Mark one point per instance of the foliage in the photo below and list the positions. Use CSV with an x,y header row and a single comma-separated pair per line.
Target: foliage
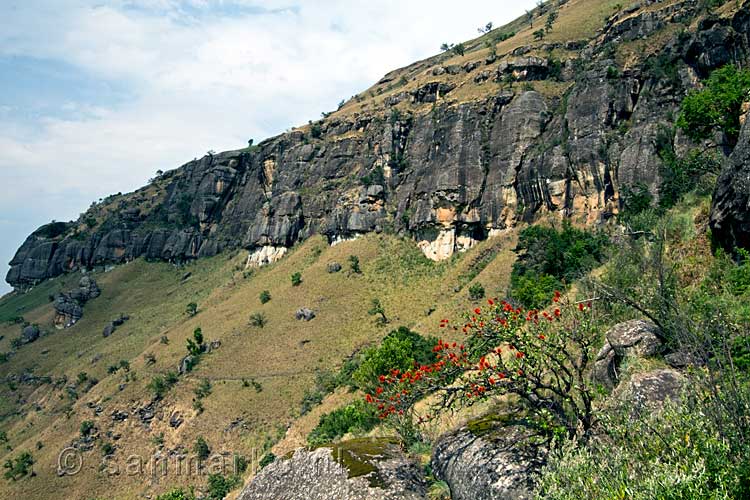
x,y
377,309
160,384
401,349
634,200
265,297
296,279
19,466
178,494
195,346
204,389
476,291
717,106
458,49
355,417
354,264
541,358
201,448
677,453
258,320
549,259
86,427
267,459
539,34
219,486
191,309
108,449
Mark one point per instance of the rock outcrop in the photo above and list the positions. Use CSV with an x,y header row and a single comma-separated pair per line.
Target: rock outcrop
x,y
489,459
69,305
636,338
445,171
355,470
730,213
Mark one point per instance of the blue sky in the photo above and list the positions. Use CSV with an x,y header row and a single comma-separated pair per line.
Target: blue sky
x,y
95,96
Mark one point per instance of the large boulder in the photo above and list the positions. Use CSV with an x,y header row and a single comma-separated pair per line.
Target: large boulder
x,y
730,211
304,314
360,469
29,334
69,305
636,338
648,391
490,458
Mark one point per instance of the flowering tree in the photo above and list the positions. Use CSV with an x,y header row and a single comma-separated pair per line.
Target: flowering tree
x,y
541,357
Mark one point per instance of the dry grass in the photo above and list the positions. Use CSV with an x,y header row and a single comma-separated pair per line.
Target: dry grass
x,y
282,356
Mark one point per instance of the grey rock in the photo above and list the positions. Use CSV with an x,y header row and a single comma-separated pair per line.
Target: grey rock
x,y
683,359
304,314
334,267
637,338
175,420
649,391
320,475
108,330
497,463
186,364
29,334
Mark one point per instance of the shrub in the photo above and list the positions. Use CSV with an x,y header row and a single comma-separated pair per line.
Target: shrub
x,y
204,389
509,352
195,345
201,448
296,279
219,486
459,49
191,309
546,252
240,464
87,426
160,385
267,459
354,264
634,200
476,291
265,297
355,417
717,106
377,309
400,349
108,449
178,494
258,320
18,467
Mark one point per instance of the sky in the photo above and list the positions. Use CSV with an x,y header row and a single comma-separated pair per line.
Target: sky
x,y
96,95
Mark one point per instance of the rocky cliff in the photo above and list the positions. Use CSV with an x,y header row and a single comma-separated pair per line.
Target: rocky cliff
x,y
450,150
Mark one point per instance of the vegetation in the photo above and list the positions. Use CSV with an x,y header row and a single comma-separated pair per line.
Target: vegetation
x,y
296,279
356,417
354,264
476,291
265,297
178,494
219,486
201,448
18,467
377,309
550,259
191,309
258,320
717,106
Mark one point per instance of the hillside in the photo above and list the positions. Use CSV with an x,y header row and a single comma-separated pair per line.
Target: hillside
x,y
428,178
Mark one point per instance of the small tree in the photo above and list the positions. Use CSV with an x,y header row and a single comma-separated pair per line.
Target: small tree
x,y
445,47
354,264
476,291
539,34
204,389
195,345
485,29
551,18
201,448
265,297
377,309
191,309
258,320
296,279
19,467
459,49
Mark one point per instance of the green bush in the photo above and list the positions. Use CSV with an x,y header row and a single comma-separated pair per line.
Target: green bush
x,y
296,279
717,106
16,468
550,258
160,384
354,264
178,494
355,417
265,297
191,309
219,486
86,427
267,459
400,349
201,448
258,320
204,389
476,291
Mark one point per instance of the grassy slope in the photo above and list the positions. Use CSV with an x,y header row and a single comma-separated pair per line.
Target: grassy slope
x,y
155,298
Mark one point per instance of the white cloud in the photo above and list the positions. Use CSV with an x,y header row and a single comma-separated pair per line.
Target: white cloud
x,y
203,75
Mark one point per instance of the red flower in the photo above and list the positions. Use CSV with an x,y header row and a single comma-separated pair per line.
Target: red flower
x,y
381,378
580,307
491,381
557,312
477,311
541,337
379,390
491,302
519,355
369,398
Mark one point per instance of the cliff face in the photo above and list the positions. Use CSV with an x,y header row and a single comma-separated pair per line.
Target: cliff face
x,y
454,155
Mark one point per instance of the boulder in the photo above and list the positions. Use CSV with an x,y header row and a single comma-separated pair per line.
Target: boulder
x,y
637,338
186,364
647,391
29,334
489,459
304,314
108,330
361,469
334,267
730,210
